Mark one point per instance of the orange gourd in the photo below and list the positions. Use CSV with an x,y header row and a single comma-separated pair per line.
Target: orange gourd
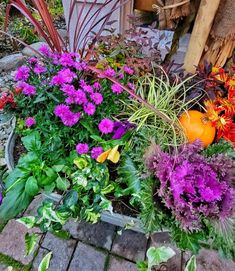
x,y
196,125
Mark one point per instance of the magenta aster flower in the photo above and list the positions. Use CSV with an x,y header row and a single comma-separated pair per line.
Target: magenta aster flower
x,y
131,86
96,151
66,59
70,118
116,88
88,88
30,121
22,73
80,66
110,72
97,98
89,109
33,60
61,110
128,70
97,86
67,75
28,90
39,69
82,148
68,89
45,50
106,126
121,76
82,83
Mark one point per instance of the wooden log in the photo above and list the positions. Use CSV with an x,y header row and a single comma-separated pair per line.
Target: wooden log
x,y
201,30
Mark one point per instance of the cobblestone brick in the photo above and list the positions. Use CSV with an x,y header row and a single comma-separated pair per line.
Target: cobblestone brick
x,y
87,258
100,234
130,245
12,241
62,253
116,264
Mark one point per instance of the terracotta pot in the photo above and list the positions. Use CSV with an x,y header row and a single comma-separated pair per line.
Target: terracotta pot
x,y
145,5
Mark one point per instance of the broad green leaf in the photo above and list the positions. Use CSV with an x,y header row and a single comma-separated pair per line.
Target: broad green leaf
x,y
58,168
30,241
28,221
142,266
108,189
62,184
191,264
44,265
32,141
159,255
51,174
129,174
31,186
49,188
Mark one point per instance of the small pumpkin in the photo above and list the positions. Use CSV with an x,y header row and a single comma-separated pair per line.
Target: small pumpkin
x,y
196,125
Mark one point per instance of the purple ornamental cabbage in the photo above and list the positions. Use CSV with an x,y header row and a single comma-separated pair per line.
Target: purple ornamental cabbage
x,y
193,186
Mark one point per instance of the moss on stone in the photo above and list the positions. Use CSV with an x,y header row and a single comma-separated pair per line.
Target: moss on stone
x,y
8,261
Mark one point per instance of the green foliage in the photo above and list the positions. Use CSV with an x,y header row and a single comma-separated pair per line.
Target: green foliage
x,y
30,242
128,174
155,257
44,265
188,240
21,28
221,147
168,101
191,264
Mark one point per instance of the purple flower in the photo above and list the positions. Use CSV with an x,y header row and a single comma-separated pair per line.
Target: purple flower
x,y
116,88
28,90
97,98
110,72
121,127
106,126
22,73
66,59
33,60
68,89
121,76
89,109
67,75
88,88
97,86
82,148
61,109
30,121
96,151
70,118
128,70
1,197
39,69
80,66
82,83
131,86
45,50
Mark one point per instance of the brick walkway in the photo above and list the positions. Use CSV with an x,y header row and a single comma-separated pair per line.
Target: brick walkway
x,y
98,247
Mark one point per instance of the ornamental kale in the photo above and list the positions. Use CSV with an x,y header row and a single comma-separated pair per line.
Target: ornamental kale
x,y
192,186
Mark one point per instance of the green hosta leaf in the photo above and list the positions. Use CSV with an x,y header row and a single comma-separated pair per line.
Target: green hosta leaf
x,y
51,174
159,255
28,221
32,142
30,241
44,265
49,188
31,186
191,264
62,184
58,168
127,171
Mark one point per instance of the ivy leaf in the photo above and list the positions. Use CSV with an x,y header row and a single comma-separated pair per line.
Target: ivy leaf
x,y
158,255
31,186
191,264
62,234
128,172
71,199
62,184
27,221
30,241
44,265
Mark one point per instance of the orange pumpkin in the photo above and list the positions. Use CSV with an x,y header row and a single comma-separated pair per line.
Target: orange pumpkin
x,y
196,125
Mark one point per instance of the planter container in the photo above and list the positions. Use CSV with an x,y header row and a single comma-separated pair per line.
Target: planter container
x,y
119,16
10,143
145,5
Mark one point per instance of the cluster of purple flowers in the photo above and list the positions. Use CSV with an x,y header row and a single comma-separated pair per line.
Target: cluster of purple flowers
x,y
193,186
83,148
